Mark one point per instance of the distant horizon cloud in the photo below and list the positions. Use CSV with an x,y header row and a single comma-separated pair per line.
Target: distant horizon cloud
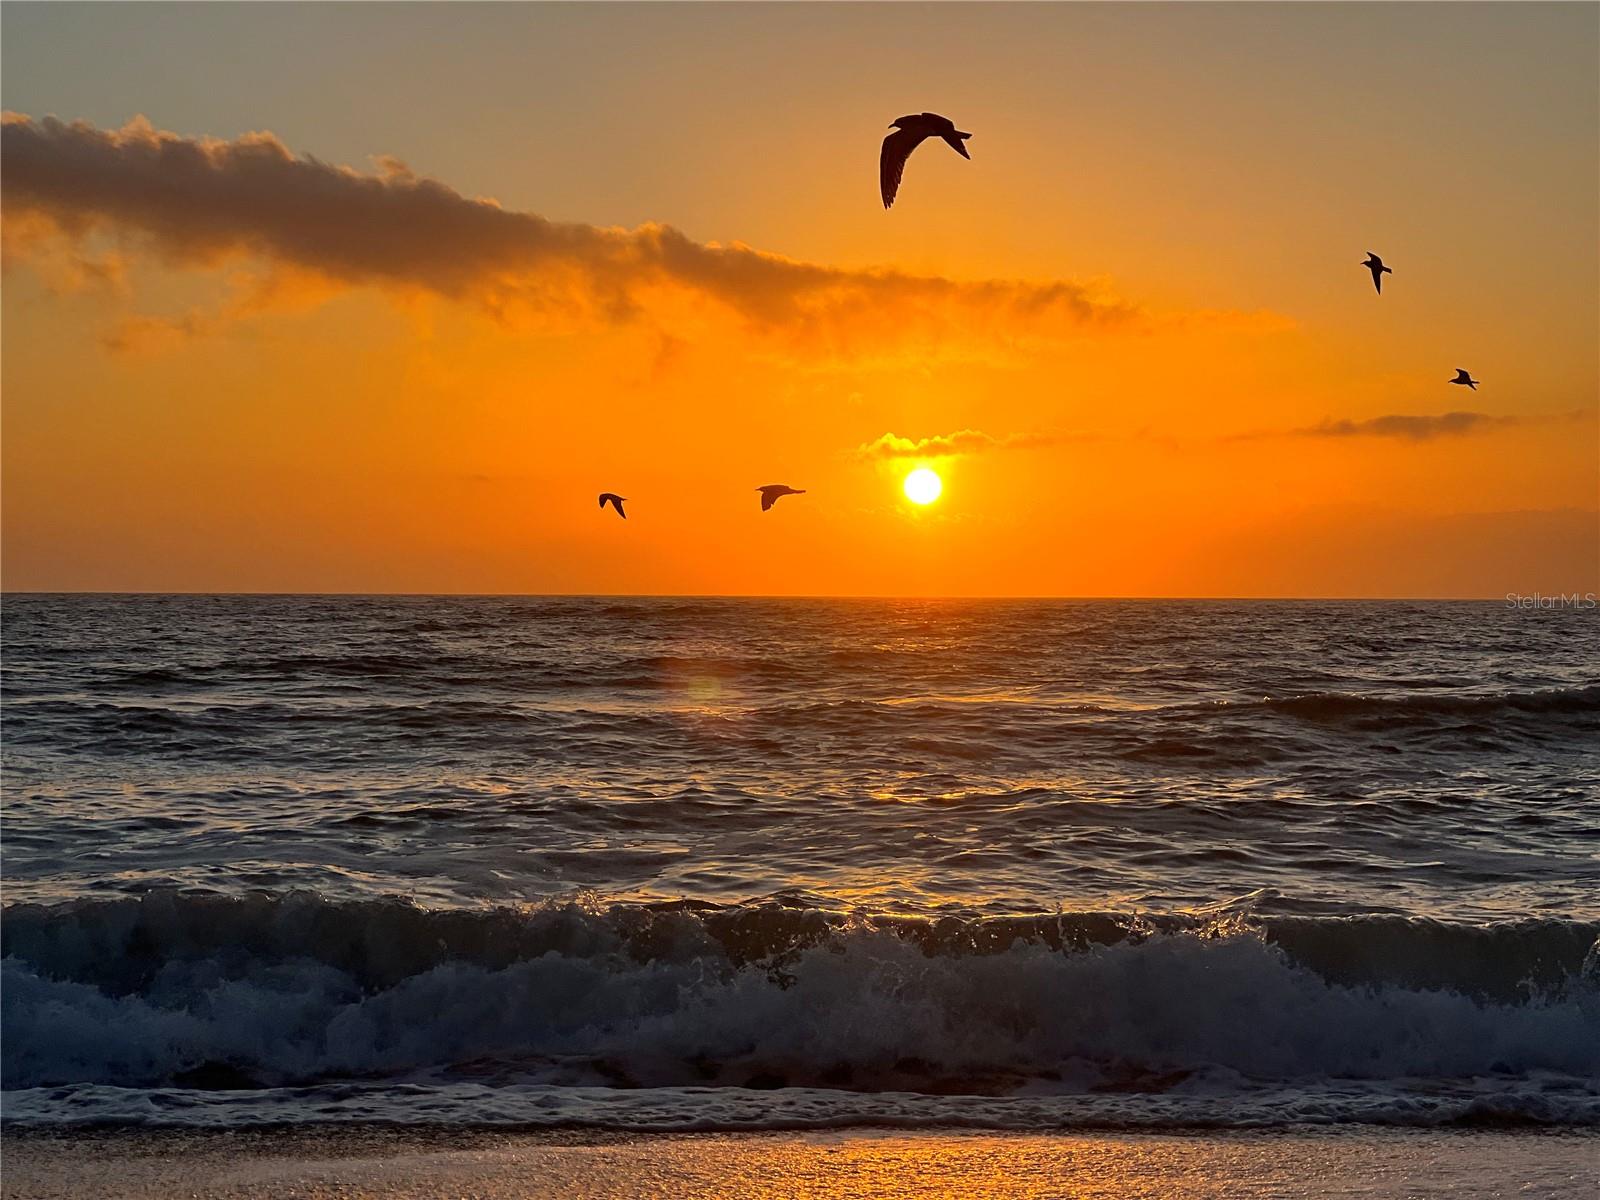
x,y
206,202
1413,427
1425,427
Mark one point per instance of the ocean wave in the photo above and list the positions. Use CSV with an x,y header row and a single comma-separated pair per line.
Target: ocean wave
x,y
292,990
658,705
1424,1104
1576,703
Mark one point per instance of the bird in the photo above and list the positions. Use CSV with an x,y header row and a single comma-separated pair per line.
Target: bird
x,y
1375,265
1464,378
615,501
909,133
773,492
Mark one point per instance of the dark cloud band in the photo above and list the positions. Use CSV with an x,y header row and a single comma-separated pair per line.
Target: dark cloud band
x,y
199,201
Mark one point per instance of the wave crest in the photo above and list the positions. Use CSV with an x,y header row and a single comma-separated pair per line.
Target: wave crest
x,y
207,991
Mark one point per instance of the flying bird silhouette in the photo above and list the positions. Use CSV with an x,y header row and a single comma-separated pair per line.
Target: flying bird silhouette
x,y
909,133
773,492
1375,265
615,501
1464,378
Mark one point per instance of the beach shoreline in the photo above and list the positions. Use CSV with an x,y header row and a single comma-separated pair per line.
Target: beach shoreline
x,y
369,1161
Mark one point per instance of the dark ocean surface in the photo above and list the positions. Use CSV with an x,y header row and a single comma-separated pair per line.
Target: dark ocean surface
x,y
662,863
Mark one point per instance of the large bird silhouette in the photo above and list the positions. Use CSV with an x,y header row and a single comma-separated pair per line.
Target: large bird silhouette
x,y
773,492
909,133
615,501
1463,378
1375,265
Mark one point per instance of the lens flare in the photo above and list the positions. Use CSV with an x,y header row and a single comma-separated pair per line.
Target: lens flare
x,y
922,486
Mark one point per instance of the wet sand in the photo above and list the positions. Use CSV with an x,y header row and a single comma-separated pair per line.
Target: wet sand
x,y
348,1163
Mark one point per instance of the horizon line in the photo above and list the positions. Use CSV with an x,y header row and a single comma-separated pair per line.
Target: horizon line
x,y
1265,599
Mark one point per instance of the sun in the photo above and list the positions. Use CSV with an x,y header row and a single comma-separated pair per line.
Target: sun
x,y
923,486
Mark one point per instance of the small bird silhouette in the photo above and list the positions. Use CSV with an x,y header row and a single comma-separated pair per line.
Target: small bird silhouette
x,y
1375,265
615,501
773,492
911,132
1464,378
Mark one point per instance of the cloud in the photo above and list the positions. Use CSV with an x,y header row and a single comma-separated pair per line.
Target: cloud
x,y
963,441
203,202
277,290
138,334
1416,428
1408,427
30,236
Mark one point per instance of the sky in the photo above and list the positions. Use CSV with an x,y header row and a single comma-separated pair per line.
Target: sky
x,y
379,298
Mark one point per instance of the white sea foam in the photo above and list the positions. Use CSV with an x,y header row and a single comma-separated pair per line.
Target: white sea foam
x,y
861,1009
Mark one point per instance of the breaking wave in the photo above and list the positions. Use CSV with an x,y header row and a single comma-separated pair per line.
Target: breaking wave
x,y
291,991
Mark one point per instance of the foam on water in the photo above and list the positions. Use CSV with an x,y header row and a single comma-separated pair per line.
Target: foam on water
x,y
294,992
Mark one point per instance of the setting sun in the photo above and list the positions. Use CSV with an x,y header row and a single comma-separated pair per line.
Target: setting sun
x,y
923,486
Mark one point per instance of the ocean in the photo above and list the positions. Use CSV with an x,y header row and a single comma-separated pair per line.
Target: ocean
x,y
680,864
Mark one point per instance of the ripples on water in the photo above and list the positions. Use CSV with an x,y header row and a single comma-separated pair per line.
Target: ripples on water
x,y
917,755
1083,847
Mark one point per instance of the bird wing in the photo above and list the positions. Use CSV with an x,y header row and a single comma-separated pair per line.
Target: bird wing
x,y
955,143
616,503
769,497
1377,278
897,147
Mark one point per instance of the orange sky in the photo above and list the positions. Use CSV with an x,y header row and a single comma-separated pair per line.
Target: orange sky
x,y
1131,334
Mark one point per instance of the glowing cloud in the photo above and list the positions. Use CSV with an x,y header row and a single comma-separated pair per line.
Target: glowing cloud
x,y
947,445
